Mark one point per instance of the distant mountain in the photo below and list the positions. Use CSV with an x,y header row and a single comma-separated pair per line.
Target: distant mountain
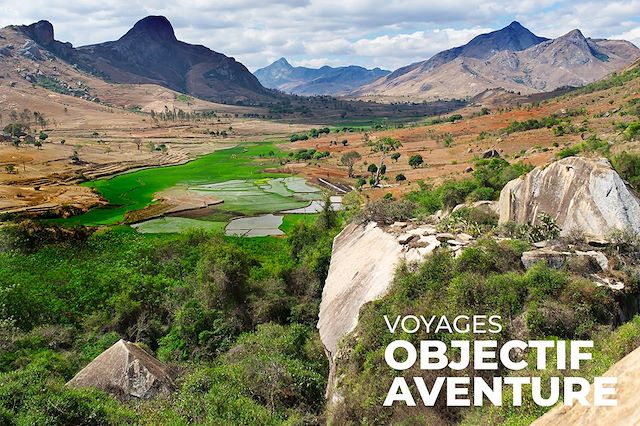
x,y
512,58
327,80
151,53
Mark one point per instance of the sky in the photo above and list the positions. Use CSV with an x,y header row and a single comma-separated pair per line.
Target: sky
x,y
371,33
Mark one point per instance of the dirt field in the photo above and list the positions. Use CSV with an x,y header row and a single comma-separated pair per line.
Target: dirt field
x,y
535,147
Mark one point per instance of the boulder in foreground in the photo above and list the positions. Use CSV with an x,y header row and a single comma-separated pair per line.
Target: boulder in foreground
x,y
125,370
627,412
578,193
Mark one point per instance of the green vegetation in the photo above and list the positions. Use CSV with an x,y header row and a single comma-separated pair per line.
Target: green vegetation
x,y
184,98
560,120
349,159
415,161
632,130
59,86
627,164
308,154
449,119
383,146
487,279
313,133
592,144
238,315
489,176
134,191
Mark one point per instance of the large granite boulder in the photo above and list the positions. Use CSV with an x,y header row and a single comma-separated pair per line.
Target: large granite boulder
x,y
578,193
125,370
363,265
627,412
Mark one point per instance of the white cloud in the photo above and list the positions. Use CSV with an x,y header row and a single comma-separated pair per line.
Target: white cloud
x,y
632,35
420,43
381,33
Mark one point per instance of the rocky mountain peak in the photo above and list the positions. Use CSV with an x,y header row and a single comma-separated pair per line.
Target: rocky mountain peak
x,y
282,62
573,36
513,37
41,32
156,27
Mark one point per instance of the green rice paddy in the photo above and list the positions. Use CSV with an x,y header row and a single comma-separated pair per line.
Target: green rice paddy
x,y
135,190
251,196
234,175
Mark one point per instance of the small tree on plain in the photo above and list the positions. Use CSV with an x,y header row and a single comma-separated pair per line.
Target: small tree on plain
x,y
416,161
349,159
383,146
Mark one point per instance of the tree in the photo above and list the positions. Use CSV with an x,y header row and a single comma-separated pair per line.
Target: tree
x,y
373,169
43,136
16,130
327,218
10,168
38,144
349,159
395,156
400,177
383,146
138,143
415,161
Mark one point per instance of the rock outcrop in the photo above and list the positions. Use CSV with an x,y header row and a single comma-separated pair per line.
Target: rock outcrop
x,y
558,259
627,412
363,265
125,371
578,193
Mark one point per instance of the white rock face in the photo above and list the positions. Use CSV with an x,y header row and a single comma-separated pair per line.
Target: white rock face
x,y
578,193
627,412
363,264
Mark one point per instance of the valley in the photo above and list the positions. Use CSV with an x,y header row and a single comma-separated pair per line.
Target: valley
x,y
184,242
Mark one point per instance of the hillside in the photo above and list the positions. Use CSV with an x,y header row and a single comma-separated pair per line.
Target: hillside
x,y
512,58
450,144
327,80
150,53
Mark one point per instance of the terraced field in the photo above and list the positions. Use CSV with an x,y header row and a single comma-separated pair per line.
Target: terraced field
x,y
135,190
235,176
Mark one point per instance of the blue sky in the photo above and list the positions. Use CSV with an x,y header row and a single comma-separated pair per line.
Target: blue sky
x,y
384,33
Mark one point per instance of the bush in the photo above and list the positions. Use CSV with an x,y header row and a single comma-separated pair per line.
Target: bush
x,y
628,166
632,131
415,161
385,212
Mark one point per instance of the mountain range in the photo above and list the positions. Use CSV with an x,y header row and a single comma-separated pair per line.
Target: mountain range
x,y
511,58
326,80
150,53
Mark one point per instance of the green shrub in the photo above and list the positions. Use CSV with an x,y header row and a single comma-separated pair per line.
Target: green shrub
x,y
627,164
